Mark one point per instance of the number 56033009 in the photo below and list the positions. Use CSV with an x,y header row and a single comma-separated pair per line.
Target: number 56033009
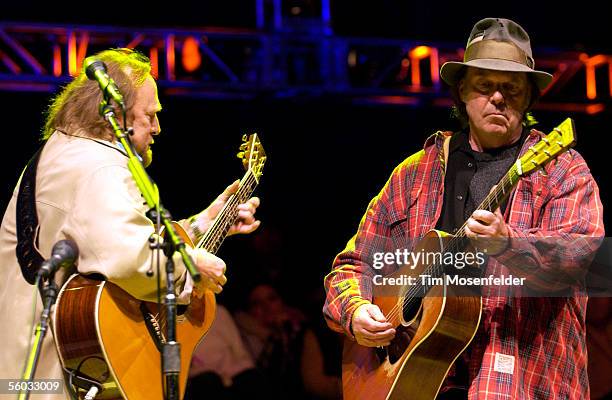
x,y
14,386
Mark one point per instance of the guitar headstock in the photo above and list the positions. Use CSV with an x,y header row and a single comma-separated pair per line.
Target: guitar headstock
x,y
561,139
252,154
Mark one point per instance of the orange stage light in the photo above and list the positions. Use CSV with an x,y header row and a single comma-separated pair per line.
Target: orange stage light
x,y
191,57
154,57
590,64
72,55
170,58
419,53
57,60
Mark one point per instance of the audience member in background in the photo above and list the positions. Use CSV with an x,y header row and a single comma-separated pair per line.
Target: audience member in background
x,y
321,362
221,367
273,333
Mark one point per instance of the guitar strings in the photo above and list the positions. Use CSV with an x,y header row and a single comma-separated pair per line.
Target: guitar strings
x,y
493,199
212,241
215,232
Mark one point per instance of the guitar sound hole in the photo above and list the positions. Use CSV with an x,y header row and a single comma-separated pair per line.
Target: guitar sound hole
x,y
411,308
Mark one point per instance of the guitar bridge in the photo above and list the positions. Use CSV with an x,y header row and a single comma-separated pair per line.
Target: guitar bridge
x,y
153,326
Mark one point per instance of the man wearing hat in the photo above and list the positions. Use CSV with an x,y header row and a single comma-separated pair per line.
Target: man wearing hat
x,y
525,347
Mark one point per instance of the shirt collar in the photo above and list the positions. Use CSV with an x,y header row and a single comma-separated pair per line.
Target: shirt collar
x,y
460,141
119,145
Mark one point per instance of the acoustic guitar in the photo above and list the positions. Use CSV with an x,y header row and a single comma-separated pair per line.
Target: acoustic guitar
x,y
106,336
433,327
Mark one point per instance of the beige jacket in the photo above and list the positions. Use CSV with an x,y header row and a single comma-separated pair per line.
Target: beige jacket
x,y
84,192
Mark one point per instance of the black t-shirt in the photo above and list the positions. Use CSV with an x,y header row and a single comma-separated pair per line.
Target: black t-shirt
x,y
470,175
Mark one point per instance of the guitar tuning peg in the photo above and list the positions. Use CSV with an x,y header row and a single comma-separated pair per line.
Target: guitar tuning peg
x,y
240,155
243,146
245,137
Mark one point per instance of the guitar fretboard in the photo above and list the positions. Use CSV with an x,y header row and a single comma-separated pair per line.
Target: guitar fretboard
x,y
214,237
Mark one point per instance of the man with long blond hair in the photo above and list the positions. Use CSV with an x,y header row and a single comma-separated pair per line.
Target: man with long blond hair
x,y
84,192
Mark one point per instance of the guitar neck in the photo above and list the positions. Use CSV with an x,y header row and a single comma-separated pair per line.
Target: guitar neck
x,y
493,200
213,238
501,192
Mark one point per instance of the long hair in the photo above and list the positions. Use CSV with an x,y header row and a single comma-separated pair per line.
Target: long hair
x,y
76,106
460,113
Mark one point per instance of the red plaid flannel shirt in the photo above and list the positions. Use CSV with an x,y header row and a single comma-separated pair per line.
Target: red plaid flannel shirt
x,y
545,335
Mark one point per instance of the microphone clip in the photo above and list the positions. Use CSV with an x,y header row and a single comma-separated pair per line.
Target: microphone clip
x,y
106,108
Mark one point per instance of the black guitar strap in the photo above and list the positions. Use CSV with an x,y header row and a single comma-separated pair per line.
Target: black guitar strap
x,y
28,256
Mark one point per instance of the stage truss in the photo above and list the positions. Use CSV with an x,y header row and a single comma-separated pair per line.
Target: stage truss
x,y
219,63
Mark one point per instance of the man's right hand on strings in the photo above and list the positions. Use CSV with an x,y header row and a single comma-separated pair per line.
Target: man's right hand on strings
x,y
371,327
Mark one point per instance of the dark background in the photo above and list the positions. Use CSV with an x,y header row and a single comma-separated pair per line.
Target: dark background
x,y
327,156
549,23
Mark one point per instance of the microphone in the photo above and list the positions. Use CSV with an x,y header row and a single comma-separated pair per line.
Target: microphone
x,y
96,71
64,254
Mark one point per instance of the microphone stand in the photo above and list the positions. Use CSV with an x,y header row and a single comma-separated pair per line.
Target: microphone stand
x,y
171,354
49,295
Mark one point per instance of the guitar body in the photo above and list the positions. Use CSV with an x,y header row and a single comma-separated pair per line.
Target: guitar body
x,y
429,338
112,337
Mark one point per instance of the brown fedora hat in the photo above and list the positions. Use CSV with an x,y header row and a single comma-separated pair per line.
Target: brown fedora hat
x,y
498,44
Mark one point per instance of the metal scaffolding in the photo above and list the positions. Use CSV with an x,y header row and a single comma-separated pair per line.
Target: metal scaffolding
x,y
281,59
